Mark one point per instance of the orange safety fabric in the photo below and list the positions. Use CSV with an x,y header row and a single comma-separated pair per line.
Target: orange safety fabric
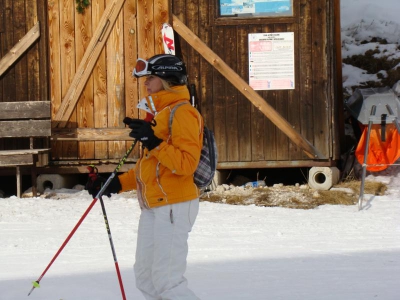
x,y
379,152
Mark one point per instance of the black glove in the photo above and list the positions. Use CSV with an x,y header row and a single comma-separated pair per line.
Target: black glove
x,y
128,120
142,131
96,182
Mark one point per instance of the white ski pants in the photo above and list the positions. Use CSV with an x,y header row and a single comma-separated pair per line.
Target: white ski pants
x,y
162,250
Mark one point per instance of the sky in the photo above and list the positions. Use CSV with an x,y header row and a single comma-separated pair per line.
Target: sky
x,y
236,252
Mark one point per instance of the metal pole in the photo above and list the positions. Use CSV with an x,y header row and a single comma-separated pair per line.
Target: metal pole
x,y
364,166
396,121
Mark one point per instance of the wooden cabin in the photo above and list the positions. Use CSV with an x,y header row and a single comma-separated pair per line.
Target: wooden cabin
x,y
82,64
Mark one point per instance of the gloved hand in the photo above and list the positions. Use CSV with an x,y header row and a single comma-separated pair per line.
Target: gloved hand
x,y
128,120
96,182
142,131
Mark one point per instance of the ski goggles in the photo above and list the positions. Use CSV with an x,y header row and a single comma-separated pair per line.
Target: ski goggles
x,y
141,68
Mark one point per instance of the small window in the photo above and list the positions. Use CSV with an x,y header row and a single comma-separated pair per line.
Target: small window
x,y
256,8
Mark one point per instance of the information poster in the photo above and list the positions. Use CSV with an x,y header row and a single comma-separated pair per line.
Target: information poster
x,y
271,61
256,7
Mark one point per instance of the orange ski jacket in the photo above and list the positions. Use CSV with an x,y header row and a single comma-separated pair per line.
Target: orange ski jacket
x,y
164,175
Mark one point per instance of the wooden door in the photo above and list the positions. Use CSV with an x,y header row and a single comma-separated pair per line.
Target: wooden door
x,y
128,29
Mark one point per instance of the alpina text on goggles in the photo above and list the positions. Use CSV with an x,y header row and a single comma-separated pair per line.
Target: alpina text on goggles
x,y
141,68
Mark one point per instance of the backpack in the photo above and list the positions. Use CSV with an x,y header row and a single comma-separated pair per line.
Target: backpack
x,y
205,171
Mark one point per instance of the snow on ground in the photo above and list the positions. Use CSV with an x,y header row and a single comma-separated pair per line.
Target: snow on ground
x,y
236,252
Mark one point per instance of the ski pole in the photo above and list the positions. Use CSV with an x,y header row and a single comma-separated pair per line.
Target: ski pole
x,y
121,285
99,194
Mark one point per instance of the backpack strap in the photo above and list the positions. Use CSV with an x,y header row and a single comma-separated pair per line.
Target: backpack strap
x,y
171,116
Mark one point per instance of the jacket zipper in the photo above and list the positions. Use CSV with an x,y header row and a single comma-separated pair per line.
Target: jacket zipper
x,y
142,185
158,181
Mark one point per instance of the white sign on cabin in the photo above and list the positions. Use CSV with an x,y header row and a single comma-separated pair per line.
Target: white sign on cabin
x,y
271,61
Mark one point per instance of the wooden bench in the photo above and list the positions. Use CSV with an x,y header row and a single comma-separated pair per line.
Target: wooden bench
x,y
28,119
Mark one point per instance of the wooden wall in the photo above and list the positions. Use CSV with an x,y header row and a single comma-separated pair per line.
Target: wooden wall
x,y
111,93
26,79
245,137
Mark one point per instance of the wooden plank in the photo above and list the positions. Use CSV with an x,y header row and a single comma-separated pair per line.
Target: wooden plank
x,y
305,83
219,97
263,140
20,66
145,33
55,67
19,49
321,105
2,30
33,61
86,66
68,66
245,89
294,104
131,54
192,21
161,16
244,106
275,164
115,87
23,151
145,38
258,134
230,46
8,79
282,109
232,21
180,9
24,110
271,146
16,160
2,25
205,87
43,55
25,128
339,141
99,85
91,134
38,157
84,106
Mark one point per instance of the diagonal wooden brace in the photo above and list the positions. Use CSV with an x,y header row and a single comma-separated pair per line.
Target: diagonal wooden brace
x,y
16,52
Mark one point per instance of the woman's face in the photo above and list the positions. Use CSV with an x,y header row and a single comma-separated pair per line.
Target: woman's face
x,y
153,84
